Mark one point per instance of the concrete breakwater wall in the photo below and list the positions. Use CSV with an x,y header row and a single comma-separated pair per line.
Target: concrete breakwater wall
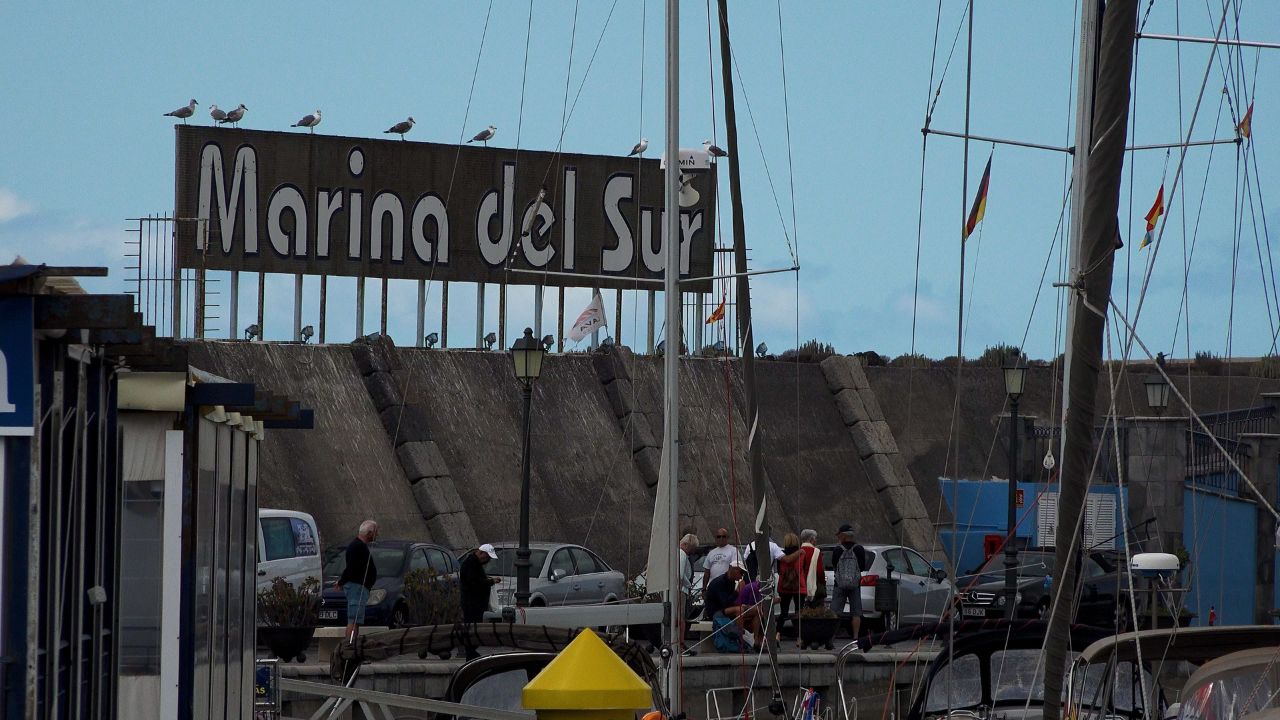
x,y
428,442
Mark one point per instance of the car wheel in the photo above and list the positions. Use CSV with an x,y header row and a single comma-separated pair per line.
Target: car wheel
x,y
537,602
398,617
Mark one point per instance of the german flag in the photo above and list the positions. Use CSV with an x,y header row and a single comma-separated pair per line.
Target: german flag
x,y
979,203
1153,216
717,315
1245,128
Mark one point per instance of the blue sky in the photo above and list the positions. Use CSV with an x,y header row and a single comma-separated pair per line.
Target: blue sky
x,y
86,145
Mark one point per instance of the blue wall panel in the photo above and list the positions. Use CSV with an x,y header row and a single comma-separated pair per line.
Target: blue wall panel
x,y
1219,535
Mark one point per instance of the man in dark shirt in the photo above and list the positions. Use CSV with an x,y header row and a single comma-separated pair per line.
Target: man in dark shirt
x,y
358,577
722,593
851,595
474,586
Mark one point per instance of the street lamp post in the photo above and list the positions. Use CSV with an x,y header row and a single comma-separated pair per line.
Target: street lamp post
x,y
1014,375
526,356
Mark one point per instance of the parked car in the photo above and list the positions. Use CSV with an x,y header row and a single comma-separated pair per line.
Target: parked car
x,y
1102,579
924,592
559,574
393,559
288,547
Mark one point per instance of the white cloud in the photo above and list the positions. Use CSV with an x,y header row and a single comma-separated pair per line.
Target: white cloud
x,y
12,206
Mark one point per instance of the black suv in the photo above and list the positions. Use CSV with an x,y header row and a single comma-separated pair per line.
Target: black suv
x,y
394,559
1102,581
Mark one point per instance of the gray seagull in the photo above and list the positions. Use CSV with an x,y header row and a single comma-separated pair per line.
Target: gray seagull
x,y
235,115
485,135
184,112
401,128
640,147
310,121
714,150
217,113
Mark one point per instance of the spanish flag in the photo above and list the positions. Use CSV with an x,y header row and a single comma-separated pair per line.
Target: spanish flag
x,y
979,203
1245,128
717,315
1153,216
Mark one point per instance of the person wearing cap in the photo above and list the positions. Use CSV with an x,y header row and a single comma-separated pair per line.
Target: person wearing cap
x,y
474,583
848,586
358,577
722,593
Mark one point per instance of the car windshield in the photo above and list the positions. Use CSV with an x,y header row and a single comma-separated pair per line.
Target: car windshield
x,y
505,564
388,560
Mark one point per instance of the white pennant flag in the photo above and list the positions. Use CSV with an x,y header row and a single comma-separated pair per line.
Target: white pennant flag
x,y
591,320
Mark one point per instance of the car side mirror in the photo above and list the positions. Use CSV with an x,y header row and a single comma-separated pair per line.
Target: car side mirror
x,y
559,574
939,574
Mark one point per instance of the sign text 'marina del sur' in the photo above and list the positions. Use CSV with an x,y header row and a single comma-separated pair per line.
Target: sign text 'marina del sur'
x,y
320,205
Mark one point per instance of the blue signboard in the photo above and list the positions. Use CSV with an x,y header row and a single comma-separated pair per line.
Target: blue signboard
x,y
17,373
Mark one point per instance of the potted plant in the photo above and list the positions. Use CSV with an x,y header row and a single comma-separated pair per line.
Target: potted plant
x,y
287,617
818,626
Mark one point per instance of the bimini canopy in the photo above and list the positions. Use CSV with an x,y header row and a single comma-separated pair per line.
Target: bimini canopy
x,y
1196,645
1240,684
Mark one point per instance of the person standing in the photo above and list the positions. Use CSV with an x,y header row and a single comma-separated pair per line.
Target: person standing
x,y
849,559
791,572
719,558
813,574
358,577
474,584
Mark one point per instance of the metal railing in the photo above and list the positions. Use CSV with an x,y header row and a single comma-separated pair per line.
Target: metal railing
x,y
1233,423
1209,468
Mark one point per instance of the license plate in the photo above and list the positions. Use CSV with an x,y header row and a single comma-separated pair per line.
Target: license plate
x,y
975,611
328,614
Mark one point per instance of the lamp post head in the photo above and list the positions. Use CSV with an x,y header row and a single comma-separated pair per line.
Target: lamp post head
x,y
1157,392
1015,375
526,357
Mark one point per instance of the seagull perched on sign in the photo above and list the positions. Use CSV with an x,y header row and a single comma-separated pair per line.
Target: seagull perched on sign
x,y
640,147
401,127
235,115
217,113
184,112
310,121
714,150
485,135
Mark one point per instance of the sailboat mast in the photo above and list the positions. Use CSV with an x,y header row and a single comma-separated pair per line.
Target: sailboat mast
x,y
671,358
742,285
1090,288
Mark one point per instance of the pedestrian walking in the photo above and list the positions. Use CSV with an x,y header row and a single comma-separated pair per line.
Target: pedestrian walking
x,y
719,558
358,577
790,576
687,544
848,558
474,584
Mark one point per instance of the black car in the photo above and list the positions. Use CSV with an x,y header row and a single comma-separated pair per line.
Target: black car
x,y
1102,581
393,559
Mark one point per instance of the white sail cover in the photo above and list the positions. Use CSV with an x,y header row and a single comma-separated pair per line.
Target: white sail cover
x,y
657,576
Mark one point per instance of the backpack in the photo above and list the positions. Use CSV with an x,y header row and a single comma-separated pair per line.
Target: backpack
x,y
848,570
725,634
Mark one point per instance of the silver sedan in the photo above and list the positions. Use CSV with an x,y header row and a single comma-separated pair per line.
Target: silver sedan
x,y
559,574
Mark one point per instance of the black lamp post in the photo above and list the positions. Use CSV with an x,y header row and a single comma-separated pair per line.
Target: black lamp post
x,y
1157,392
1015,374
526,355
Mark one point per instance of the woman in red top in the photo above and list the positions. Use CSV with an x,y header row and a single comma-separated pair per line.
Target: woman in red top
x,y
790,575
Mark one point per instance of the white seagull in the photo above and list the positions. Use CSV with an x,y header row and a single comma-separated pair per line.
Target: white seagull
x,y
714,150
310,121
401,128
640,147
217,113
184,112
235,115
485,135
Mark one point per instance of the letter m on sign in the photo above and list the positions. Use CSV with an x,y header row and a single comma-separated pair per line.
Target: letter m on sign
x,y
213,190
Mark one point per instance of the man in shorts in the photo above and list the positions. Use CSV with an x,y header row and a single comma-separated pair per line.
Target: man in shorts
x,y
358,577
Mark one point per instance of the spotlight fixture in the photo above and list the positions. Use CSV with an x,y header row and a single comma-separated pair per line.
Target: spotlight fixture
x,y
762,350
253,331
661,348
432,339
719,347
307,333
547,342
489,341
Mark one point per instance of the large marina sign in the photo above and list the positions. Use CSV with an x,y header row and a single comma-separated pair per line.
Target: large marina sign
x,y
321,205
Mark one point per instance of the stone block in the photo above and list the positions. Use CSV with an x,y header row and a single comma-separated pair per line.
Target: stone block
x,y
869,401
900,469
873,438
849,404
620,397
369,359
405,423
880,472
436,496
611,364
902,503
649,461
421,459
843,373
638,433
452,530
383,390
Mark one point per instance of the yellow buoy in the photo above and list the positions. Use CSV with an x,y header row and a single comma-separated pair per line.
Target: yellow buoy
x,y
587,681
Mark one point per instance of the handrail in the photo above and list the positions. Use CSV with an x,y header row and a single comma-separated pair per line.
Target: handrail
x,y
398,701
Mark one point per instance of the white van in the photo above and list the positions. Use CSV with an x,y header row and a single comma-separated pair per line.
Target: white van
x,y
288,547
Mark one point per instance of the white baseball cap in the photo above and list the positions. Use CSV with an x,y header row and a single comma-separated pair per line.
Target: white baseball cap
x,y
488,550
